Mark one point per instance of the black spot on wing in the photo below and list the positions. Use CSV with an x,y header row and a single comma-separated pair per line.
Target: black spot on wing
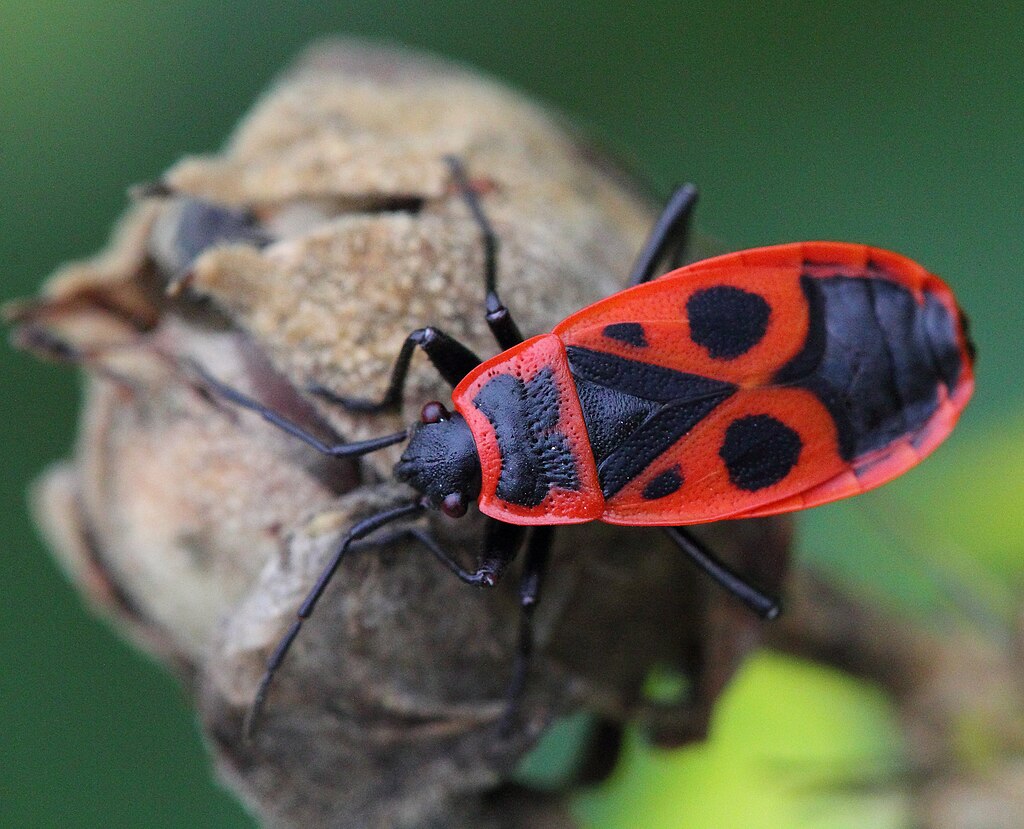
x,y
630,333
727,321
759,451
663,484
535,457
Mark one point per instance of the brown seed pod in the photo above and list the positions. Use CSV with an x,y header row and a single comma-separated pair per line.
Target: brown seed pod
x,y
303,254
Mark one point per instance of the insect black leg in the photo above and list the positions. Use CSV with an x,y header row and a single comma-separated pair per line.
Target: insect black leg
x,y
488,571
451,358
499,318
358,531
472,577
763,605
501,545
668,239
538,552
340,450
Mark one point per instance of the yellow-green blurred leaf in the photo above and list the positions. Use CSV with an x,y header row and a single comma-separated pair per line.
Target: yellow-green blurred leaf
x,y
794,745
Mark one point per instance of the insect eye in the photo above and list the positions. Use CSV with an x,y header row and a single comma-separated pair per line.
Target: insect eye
x,y
433,412
454,505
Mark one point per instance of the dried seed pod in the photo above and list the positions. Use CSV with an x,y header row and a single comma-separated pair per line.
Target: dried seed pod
x,y
303,254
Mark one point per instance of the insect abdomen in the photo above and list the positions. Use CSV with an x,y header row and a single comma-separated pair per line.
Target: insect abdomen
x,y
879,359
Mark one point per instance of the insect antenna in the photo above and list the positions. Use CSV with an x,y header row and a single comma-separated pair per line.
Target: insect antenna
x,y
338,450
277,657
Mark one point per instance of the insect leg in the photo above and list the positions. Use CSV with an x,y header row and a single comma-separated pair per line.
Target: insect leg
x,y
668,239
451,358
276,659
538,552
763,605
473,577
339,450
499,318
486,573
501,545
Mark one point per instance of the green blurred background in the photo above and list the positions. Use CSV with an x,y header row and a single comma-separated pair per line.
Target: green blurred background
x,y
895,124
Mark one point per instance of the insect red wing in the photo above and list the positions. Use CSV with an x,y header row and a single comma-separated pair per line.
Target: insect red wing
x,y
852,257
759,447
772,443
875,469
736,323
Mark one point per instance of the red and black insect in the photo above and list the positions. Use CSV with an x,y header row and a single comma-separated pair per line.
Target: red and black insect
x,y
751,384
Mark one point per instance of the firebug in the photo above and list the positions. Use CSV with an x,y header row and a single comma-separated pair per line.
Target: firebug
x,y
746,385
